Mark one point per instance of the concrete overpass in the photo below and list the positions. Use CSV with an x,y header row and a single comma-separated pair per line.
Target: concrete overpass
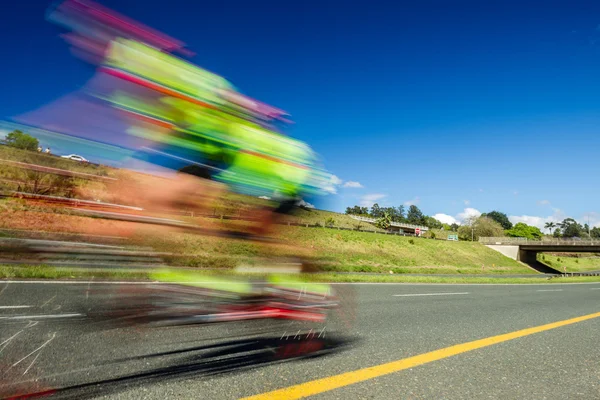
x,y
526,250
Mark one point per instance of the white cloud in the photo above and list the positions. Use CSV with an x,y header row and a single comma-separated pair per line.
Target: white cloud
x,y
331,184
445,218
334,180
468,213
303,203
353,184
369,199
330,189
467,202
538,221
412,202
544,202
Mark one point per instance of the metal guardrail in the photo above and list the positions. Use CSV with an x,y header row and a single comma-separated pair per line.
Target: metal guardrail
x,y
543,242
396,224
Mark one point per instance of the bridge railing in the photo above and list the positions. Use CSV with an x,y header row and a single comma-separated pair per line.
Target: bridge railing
x,y
545,241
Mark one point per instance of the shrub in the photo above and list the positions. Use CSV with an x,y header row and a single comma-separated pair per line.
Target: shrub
x,y
411,241
22,140
329,222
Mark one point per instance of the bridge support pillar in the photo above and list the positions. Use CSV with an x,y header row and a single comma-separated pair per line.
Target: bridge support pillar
x,y
527,256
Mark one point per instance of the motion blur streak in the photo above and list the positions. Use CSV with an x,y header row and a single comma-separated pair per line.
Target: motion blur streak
x,y
184,138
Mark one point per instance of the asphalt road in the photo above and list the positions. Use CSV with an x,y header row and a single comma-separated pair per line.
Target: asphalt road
x,y
46,343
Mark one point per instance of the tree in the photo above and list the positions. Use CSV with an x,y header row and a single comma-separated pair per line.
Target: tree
x,y
433,223
22,140
550,226
595,232
384,222
415,216
479,227
525,231
454,227
557,233
356,210
500,218
376,211
571,228
401,211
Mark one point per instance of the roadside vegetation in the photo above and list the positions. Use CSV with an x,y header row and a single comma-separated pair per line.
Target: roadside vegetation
x,y
46,272
345,249
574,262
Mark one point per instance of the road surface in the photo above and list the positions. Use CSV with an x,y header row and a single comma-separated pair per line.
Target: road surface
x,y
423,341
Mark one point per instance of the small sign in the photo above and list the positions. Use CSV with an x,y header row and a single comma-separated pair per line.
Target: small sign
x,y
453,237
417,231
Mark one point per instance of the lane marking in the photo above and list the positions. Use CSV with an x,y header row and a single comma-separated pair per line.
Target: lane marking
x,y
9,307
549,290
428,294
349,378
595,288
43,316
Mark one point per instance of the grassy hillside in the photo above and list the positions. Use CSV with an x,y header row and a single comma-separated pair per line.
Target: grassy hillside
x,y
574,262
336,250
32,157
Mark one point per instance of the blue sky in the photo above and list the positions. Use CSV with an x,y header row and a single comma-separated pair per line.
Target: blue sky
x,y
457,106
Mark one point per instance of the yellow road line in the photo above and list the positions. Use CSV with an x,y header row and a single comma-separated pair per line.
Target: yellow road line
x,y
349,378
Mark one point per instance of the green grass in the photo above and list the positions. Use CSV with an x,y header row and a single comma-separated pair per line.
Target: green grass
x,y
438,279
345,251
320,217
573,262
45,272
366,252
32,157
440,234
335,250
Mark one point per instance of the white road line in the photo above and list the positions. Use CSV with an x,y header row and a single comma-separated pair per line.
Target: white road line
x,y
595,288
549,290
428,294
43,316
9,307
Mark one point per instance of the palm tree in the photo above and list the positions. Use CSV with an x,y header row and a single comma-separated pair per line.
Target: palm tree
x,y
550,226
